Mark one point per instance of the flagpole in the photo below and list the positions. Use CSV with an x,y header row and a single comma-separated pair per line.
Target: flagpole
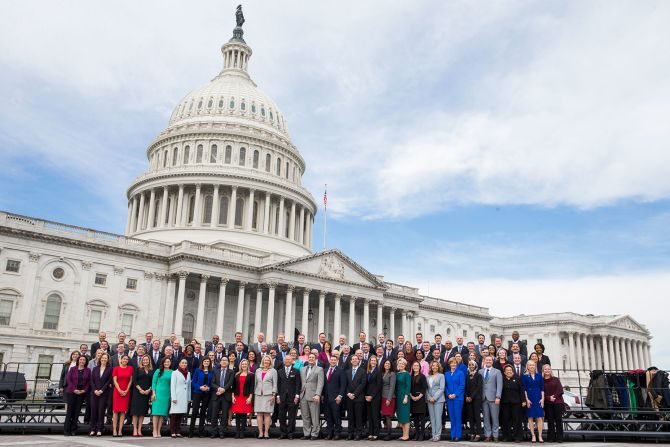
x,y
325,216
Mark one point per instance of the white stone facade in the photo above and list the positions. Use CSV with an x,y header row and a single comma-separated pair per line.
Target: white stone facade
x,y
218,239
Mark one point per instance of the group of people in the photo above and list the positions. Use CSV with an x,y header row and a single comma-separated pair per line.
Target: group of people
x,y
487,388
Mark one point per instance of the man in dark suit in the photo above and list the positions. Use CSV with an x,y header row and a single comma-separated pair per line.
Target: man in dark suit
x,y
516,349
219,352
355,396
240,354
211,345
238,339
174,358
288,395
362,338
148,341
83,350
419,341
389,352
523,349
459,348
277,360
333,391
438,344
120,352
345,358
299,344
319,346
155,353
366,355
340,343
222,397
518,364
102,336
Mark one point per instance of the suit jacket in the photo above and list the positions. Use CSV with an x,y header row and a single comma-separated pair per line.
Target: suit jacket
x,y
524,359
227,384
344,364
238,359
231,347
436,390
288,386
479,351
357,346
72,378
256,347
392,356
336,386
311,385
115,360
521,371
248,385
95,346
317,346
462,350
374,383
492,389
101,382
523,348
356,383
265,386
441,347
455,384
155,362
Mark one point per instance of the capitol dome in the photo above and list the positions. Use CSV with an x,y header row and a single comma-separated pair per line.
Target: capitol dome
x,y
225,172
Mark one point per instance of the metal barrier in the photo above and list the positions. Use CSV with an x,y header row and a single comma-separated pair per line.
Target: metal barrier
x,y
32,378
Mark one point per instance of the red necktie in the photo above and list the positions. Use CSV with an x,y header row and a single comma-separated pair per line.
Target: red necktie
x,y
330,372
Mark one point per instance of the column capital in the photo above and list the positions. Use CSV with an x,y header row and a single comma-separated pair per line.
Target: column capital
x,y
183,274
306,291
170,278
165,188
204,277
34,257
118,271
150,275
243,284
234,188
224,281
216,186
338,295
198,185
290,288
393,309
322,293
271,285
86,265
352,299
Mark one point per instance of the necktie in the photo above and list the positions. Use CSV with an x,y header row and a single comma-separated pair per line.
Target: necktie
x,y
309,370
518,373
223,376
486,375
330,372
353,373
288,371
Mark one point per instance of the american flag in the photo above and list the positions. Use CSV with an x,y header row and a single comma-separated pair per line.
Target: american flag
x,y
325,197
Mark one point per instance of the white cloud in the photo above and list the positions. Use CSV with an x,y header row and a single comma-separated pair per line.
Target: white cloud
x,y
643,296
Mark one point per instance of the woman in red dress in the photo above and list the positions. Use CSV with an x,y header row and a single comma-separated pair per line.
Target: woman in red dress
x,y
122,377
243,389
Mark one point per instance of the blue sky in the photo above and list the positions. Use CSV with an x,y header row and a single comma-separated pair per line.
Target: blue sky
x,y
508,154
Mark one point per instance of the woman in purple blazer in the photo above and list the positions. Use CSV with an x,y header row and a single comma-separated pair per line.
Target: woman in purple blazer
x,y
101,379
78,380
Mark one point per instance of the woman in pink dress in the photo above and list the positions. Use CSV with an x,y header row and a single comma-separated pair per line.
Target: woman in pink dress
x,y
122,377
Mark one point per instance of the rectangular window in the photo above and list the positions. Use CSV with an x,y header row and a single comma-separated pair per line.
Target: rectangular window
x,y
465,333
13,266
2,358
94,321
6,307
100,279
562,341
432,328
213,154
131,283
539,340
44,366
127,323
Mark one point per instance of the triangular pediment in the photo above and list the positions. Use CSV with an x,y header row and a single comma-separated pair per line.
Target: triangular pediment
x,y
332,265
627,322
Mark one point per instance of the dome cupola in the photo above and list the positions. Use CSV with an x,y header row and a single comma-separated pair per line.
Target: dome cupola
x,y
225,172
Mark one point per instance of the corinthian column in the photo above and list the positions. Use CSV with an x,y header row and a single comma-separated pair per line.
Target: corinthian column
x,y
366,318
179,312
352,321
240,307
322,311
288,317
337,323
305,312
220,308
271,311
200,319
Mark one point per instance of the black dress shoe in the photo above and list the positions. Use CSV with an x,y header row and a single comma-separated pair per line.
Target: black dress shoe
x,y
282,436
305,438
350,438
357,438
336,437
290,436
315,438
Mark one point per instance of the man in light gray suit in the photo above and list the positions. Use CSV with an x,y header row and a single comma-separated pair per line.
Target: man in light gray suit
x,y
491,399
311,379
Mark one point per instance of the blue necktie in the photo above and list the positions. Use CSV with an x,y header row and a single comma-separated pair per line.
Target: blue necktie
x,y
353,373
486,376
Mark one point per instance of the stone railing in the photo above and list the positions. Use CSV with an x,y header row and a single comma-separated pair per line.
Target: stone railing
x,y
223,254
454,306
82,234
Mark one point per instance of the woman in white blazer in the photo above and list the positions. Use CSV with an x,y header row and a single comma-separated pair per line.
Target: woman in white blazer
x,y
265,390
180,396
435,399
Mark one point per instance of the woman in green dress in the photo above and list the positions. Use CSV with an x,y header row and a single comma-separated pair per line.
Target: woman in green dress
x,y
160,397
402,389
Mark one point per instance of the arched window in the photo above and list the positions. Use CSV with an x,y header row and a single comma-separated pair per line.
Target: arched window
x,y
187,327
165,158
209,104
243,156
253,108
207,211
272,117
199,105
223,210
221,103
256,156
294,174
263,112
286,172
268,162
198,154
232,103
175,153
229,151
254,219
191,209
187,154
243,106
213,153
239,211
52,312
279,166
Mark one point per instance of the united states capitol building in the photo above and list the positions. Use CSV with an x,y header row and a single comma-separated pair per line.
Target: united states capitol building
x,y
219,239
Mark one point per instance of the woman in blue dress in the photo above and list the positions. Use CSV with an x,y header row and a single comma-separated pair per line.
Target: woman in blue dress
x,y
533,384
